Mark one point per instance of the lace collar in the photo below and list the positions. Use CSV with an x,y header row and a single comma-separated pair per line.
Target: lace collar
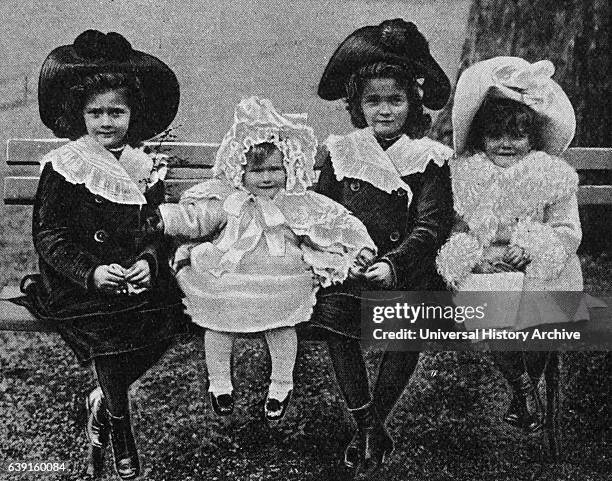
x,y
359,156
486,195
85,161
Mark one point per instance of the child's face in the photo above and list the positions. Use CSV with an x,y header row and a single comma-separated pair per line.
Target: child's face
x,y
506,150
107,117
265,178
385,106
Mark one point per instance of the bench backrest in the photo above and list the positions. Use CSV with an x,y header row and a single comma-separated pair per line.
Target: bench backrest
x,y
190,162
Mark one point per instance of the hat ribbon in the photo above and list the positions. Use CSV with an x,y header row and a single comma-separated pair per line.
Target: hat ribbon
x,y
530,85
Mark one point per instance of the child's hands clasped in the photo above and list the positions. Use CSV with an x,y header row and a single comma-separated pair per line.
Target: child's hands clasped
x,y
115,279
361,263
516,257
380,273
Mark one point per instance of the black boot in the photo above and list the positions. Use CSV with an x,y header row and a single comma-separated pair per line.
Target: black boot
x,y
124,447
97,428
97,431
518,414
375,442
352,453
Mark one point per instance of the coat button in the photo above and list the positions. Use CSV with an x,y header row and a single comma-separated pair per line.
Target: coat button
x,y
101,236
98,199
395,236
401,193
355,186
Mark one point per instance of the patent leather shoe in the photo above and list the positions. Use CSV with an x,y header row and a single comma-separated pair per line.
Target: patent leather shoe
x,y
223,404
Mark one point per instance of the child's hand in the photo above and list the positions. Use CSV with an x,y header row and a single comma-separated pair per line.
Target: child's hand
x,y
517,257
361,263
380,273
109,278
139,274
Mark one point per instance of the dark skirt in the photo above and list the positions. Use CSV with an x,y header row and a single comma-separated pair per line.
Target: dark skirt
x,y
338,311
107,325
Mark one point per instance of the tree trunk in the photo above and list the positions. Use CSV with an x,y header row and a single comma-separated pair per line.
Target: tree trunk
x,y
573,34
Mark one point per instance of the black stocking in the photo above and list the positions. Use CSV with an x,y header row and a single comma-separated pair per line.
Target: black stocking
x,y
350,369
116,373
395,370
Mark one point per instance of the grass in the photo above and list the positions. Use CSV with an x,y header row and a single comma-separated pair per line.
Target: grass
x,y
447,426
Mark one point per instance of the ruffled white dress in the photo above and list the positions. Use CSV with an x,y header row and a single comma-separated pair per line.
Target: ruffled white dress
x,y
261,261
531,204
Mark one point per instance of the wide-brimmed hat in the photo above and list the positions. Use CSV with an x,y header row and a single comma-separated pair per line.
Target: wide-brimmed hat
x,y
256,121
515,79
94,52
394,41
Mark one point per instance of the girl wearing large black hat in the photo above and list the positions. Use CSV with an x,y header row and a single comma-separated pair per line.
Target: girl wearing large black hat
x,y
396,182
108,292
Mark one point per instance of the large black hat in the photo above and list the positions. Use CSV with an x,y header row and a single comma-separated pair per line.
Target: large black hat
x,y
94,52
395,41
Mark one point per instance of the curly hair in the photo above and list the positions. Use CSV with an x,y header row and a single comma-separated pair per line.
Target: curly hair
x,y
417,122
499,116
71,122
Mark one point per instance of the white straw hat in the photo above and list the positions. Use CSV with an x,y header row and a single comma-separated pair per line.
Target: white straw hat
x,y
515,79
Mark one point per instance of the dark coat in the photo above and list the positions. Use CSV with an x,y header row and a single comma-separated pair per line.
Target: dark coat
x,y
407,237
75,231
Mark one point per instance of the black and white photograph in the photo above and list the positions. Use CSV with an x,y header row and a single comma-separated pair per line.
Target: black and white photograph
x,y
306,241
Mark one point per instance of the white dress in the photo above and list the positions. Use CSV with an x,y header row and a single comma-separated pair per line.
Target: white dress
x,y
261,261
531,204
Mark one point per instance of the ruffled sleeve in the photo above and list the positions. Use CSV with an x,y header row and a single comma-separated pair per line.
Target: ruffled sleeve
x,y
199,214
332,236
551,242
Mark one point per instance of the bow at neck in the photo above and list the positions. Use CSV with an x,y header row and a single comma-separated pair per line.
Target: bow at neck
x,y
249,217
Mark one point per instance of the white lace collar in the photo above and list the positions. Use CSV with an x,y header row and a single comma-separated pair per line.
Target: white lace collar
x,y
85,161
358,155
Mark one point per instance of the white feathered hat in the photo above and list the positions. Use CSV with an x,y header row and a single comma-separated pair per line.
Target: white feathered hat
x,y
516,79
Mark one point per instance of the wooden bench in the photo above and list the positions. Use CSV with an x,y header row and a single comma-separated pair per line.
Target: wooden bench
x,y
189,163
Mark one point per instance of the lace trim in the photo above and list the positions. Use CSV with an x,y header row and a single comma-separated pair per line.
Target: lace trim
x,y
486,195
255,122
85,161
359,156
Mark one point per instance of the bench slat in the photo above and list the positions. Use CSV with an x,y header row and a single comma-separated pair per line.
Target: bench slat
x,y
30,151
21,190
589,158
187,154
17,318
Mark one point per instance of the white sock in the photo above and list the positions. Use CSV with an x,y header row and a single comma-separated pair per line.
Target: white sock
x,y
218,350
282,344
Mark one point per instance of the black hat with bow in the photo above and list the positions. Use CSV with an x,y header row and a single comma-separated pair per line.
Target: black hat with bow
x,y
95,52
394,41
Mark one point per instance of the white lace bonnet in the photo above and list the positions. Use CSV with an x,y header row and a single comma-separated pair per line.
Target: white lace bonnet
x,y
519,80
255,122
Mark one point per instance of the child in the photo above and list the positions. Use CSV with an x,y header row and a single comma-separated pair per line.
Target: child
x,y
106,291
396,182
269,244
515,198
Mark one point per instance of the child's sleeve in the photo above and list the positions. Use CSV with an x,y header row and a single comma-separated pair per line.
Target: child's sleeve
x,y
413,259
54,236
333,237
551,242
193,218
